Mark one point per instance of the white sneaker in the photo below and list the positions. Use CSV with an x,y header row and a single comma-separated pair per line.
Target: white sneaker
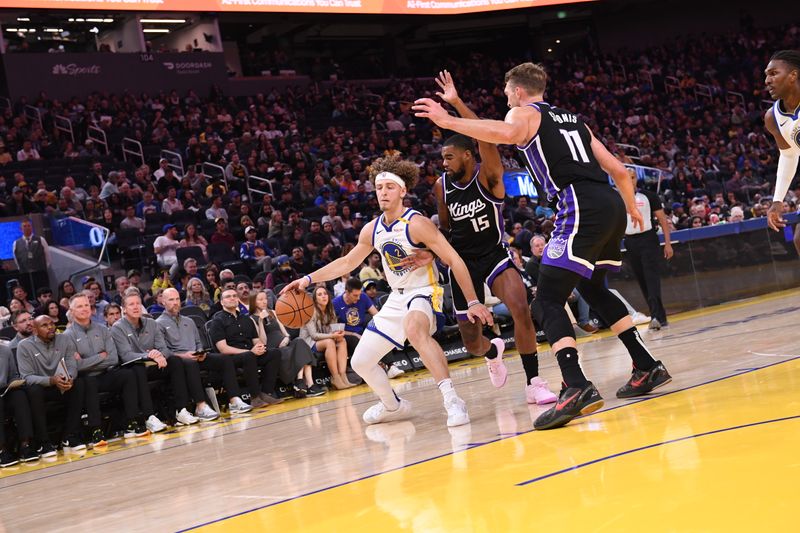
x,y
394,371
206,413
154,425
378,413
456,412
239,407
185,418
640,318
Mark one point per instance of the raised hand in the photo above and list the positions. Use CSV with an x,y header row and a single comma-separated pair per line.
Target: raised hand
x,y
449,93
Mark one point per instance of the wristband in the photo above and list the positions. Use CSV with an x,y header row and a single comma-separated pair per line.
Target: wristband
x,y
472,303
309,278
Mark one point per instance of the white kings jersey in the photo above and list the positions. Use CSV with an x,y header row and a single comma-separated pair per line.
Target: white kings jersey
x,y
788,125
394,244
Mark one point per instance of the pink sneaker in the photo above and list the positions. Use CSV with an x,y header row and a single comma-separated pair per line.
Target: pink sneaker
x,y
538,392
497,369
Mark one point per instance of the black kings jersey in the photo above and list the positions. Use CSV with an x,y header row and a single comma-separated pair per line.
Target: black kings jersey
x,y
560,153
476,217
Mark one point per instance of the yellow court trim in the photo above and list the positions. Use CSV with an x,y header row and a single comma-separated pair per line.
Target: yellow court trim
x,y
233,423
718,457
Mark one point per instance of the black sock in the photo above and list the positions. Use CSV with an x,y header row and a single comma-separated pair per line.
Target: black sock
x,y
530,362
492,353
642,359
570,369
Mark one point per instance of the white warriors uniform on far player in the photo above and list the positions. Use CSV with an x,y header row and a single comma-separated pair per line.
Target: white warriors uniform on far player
x,y
789,126
417,290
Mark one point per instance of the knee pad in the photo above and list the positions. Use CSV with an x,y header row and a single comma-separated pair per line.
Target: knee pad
x,y
604,302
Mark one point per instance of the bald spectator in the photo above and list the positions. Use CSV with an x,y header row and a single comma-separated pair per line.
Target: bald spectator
x,y
47,363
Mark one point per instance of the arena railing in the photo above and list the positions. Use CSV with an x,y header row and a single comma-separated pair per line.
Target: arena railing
x,y
733,98
703,91
64,124
174,160
671,84
210,170
34,114
261,183
97,136
133,148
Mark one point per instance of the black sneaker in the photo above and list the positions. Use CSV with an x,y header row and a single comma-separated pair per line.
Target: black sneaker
x,y
73,443
116,436
642,382
47,450
541,338
7,459
27,454
316,390
135,429
98,439
572,402
299,389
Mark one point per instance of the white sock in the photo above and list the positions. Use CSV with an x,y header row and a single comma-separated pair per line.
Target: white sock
x,y
369,351
446,388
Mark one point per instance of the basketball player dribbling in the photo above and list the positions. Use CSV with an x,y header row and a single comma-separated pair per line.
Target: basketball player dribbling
x,y
570,165
470,197
783,122
410,312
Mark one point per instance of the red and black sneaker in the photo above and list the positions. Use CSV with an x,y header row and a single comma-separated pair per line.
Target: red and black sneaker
x,y
644,381
572,402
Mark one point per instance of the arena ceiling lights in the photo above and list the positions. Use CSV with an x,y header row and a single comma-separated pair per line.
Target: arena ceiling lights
x,y
407,7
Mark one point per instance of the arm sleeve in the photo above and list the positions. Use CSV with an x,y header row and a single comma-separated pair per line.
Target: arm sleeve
x,y
787,168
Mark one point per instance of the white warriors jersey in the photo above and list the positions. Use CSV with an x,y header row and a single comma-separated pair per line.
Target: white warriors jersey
x,y
394,243
788,124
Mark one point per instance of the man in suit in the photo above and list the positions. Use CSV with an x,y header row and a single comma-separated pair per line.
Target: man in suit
x,y
31,254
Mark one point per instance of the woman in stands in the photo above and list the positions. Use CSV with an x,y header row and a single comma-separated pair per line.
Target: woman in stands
x,y
197,295
66,290
54,311
192,238
296,356
319,335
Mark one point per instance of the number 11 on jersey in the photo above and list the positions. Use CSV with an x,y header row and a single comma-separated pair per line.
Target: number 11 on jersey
x,y
575,144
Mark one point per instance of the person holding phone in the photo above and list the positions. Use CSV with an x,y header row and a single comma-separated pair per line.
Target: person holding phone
x,y
47,363
183,340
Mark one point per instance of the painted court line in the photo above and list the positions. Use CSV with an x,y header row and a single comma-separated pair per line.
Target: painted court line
x,y
655,445
429,459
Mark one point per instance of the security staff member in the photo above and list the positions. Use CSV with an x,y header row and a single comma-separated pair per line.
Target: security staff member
x,y
644,254
31,255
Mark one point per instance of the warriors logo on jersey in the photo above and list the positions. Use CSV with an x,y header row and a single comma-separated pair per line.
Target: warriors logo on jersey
x,y
796,135
393,255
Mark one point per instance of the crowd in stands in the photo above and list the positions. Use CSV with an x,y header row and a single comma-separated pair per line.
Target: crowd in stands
x,y
216,247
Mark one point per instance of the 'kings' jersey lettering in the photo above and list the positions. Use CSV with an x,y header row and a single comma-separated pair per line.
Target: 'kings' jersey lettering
x,y
476,217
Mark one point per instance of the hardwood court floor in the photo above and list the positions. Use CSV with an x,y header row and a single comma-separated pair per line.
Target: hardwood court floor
x,y
714,450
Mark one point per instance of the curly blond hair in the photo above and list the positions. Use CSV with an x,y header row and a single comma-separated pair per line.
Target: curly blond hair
x,y
407,170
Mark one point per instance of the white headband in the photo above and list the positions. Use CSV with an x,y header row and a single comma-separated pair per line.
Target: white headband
x,y
390,177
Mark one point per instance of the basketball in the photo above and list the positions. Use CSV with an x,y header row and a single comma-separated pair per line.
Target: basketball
x,y
294,308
